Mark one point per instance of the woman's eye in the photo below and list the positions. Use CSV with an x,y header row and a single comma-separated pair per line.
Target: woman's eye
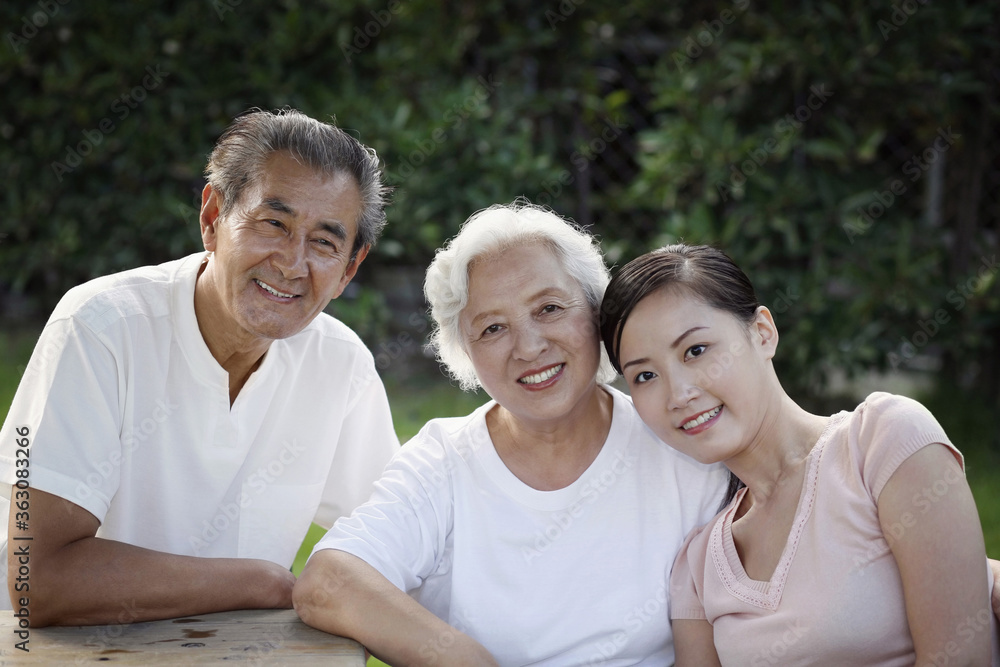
x,y
695,351
492,329
551,308
274,223
644,376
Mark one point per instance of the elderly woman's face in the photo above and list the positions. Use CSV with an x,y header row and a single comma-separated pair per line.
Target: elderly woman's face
x,y
530,333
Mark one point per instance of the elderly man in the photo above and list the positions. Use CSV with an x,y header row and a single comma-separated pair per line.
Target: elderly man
x,y
179,426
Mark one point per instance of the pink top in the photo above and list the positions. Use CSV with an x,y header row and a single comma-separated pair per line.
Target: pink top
x,y
835,597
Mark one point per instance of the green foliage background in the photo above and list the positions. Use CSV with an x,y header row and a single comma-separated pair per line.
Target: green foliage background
x,y
475,103
649,122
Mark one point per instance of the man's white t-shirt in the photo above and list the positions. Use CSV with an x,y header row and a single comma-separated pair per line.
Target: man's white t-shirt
x,y
576,576
128,416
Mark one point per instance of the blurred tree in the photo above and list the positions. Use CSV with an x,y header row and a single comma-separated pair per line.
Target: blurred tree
x,y
776,133
839,154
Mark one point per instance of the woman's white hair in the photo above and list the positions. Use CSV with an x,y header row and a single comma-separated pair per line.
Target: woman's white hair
x,y
489,233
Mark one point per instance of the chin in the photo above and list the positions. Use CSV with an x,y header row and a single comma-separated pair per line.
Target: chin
x,y
273,330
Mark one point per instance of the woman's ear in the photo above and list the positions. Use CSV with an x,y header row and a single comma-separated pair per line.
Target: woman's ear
x,y
764,332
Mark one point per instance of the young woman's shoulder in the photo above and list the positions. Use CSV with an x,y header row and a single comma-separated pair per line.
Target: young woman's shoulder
x,y
885,430
882,414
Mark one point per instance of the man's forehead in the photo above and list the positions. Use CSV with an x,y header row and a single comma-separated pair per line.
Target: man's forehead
x,y
285,190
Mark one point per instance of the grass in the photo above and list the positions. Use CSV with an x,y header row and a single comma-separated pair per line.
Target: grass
x,y
968,422
15,349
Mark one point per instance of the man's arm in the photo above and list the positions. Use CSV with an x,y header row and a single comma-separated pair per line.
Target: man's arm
x,y
76,578
341,594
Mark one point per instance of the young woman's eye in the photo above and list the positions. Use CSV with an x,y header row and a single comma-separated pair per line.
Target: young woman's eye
x,y
644,376
695,351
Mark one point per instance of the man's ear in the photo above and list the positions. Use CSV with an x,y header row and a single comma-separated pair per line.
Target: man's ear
x,y
211,202
765,332
352,269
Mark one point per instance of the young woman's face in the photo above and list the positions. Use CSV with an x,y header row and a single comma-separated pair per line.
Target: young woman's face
x,y
697,374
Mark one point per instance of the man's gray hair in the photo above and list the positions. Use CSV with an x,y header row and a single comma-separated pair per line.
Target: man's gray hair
x,y
489,233
237,161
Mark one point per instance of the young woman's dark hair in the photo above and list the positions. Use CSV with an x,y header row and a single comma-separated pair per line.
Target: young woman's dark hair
x,y
703,271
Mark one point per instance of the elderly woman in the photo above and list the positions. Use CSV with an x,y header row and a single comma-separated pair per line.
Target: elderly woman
x,y
539,529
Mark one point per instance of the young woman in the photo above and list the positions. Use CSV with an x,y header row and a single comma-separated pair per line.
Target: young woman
x,y
856,539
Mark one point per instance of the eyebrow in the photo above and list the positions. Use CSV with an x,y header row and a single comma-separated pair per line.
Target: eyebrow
x,y
673,345
276,204
335,228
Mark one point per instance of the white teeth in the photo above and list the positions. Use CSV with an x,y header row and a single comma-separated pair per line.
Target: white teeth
x,y
541,377
272,290
702,419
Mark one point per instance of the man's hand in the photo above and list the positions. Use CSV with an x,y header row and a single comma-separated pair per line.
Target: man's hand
x,y
276,585
80,579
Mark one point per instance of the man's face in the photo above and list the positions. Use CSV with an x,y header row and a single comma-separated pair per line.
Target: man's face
x,y
282,252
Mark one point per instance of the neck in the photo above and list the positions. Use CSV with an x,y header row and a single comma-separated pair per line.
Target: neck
x,y
553,454
239,355
784,439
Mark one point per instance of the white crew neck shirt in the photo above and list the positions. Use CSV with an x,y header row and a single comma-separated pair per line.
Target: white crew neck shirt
x,y
129,417
576,576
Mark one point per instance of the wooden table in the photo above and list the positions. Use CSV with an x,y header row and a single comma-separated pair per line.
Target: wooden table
x,y
261,637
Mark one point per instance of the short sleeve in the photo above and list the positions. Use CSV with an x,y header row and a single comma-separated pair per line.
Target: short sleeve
x,y
886,430
68,399
402,530
365,444
687,577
